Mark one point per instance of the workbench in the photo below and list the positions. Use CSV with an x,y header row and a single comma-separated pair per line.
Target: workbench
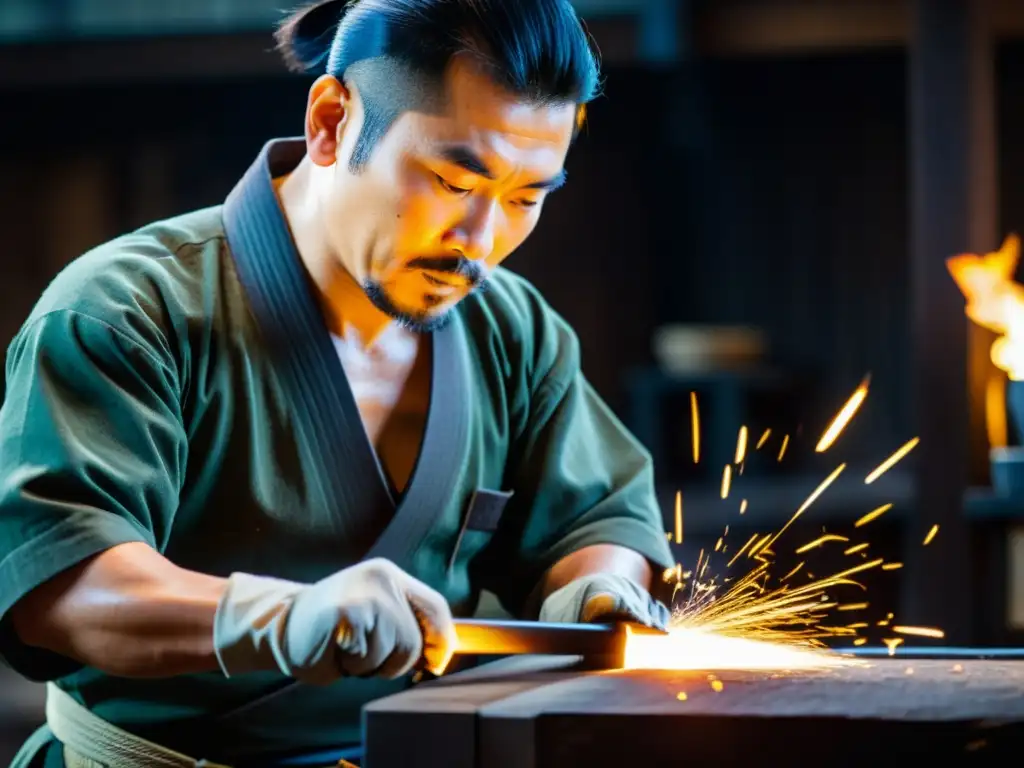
x,y
545,712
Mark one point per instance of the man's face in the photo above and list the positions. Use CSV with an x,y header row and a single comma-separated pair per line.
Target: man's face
x,y
444,197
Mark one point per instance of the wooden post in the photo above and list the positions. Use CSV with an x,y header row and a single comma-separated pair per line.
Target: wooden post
x,y
953,205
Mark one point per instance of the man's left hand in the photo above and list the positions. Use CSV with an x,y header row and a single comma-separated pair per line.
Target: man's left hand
x,y
604,597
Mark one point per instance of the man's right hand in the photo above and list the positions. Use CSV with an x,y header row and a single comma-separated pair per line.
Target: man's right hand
x,y
371,619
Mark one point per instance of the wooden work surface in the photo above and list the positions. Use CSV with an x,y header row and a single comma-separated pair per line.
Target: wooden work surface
x,y
531,712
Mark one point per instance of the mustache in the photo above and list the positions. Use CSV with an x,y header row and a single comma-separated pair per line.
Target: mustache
x,y
462,267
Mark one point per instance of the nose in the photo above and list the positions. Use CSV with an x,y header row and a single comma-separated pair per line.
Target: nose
x,y
473,236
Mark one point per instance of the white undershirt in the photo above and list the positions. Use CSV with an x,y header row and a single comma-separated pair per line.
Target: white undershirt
x,y
377,376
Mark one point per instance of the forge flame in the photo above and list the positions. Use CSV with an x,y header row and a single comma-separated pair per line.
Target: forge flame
x,y
995,300
696,649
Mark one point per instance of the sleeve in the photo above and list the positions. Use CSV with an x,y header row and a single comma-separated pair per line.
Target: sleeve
x,y
579,479
92,453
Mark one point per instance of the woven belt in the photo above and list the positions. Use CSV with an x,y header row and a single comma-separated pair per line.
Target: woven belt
x,y
93,739
91,742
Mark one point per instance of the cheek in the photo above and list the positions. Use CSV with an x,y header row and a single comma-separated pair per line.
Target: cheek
x,y
424,217
516,228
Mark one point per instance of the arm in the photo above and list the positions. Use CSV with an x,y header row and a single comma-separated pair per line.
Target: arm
x,y
92,455
127,611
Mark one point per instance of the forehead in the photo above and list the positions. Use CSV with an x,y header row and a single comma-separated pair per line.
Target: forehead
x,y
477,111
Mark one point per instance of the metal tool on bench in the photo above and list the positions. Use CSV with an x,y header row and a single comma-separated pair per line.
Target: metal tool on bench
x,y
602,646
937,653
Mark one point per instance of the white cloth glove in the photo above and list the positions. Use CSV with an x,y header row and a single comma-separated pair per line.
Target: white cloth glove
x,y
600,597
370,620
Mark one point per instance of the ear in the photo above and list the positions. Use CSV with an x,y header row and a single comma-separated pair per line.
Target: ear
x,y
327,114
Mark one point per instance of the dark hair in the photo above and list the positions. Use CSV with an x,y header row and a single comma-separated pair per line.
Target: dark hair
x,y
396,51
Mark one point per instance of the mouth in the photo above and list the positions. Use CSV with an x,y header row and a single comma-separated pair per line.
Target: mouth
x,y
449,281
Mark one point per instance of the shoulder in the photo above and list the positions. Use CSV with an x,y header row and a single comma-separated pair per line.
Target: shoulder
x,y
522,330
140,284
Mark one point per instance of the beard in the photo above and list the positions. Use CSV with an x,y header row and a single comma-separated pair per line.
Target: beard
x,y
426,320
417,322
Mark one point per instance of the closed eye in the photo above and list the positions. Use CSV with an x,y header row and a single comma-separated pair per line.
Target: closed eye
x,y
450,187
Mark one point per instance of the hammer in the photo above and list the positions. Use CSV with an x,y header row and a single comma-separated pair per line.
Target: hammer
x,y
602,646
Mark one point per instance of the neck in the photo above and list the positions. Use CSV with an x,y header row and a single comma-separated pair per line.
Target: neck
x,y
345,305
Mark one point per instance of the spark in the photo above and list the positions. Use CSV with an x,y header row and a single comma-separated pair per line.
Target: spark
x,y
763,439
919,631
679,517
742,550
741,446
756,549
681,696
717,686
872,515
892,566
931,535
889,463
891,643
782,450
753,620
726,478
747,610
846,413
792,573
810,500
695,422
819,541
704,567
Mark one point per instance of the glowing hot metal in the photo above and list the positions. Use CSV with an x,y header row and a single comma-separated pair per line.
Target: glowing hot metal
x,y
702,650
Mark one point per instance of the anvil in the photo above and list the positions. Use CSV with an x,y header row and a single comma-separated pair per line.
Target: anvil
x,y
547,712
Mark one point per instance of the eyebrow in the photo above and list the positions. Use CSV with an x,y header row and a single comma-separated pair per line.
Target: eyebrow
x,y
468,160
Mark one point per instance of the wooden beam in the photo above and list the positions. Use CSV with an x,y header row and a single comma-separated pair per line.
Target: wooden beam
x,y
126,60
745,27
758,27
952,200
135,59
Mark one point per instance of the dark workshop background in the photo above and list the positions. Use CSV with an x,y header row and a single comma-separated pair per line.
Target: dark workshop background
x,y
758,212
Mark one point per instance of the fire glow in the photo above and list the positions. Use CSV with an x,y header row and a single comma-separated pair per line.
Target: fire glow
x,y
995,300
